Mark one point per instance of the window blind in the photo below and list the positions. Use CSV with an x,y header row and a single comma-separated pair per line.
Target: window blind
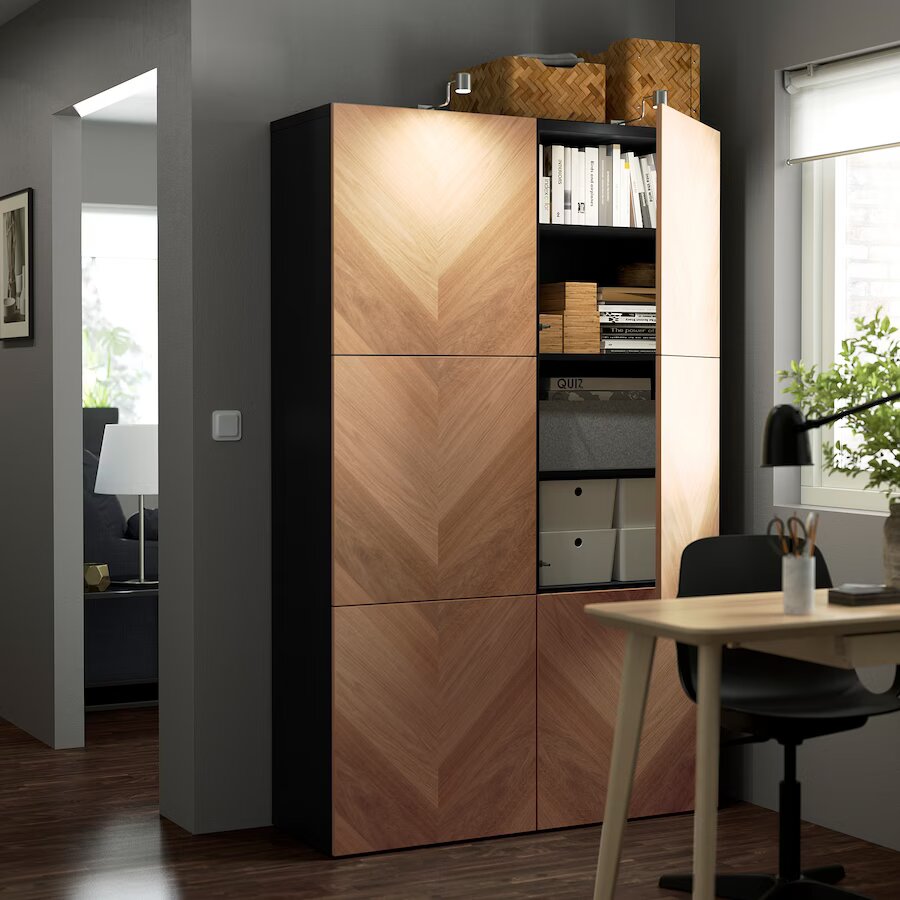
x,y
844,107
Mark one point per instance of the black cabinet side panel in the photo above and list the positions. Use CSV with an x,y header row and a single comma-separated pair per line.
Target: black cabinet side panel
x,y
301,476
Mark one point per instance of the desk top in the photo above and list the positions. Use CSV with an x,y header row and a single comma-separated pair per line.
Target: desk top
x,y
741,617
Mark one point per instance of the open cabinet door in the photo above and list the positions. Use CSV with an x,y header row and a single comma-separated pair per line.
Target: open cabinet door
x,y
687,366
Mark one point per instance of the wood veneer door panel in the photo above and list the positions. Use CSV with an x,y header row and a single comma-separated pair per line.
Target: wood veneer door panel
x,y
434,238
434,722
688,235
434,484
687,454
579,670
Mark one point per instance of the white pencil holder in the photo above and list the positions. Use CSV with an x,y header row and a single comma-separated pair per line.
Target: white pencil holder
x,y
798,581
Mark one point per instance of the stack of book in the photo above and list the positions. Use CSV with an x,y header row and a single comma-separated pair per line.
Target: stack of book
x,y
627,319
597,186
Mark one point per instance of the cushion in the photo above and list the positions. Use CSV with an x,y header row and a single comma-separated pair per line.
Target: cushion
x,y
151,526
102,512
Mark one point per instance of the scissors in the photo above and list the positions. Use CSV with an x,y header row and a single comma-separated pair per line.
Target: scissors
x,y
792,534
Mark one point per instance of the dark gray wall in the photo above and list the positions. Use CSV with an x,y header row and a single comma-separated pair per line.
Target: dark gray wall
x,y
851,782
254,62
51,56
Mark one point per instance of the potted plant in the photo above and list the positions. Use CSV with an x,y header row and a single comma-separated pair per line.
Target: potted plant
x,y
867,367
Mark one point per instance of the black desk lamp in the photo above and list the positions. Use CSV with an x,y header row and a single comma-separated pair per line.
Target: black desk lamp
x,y
786,437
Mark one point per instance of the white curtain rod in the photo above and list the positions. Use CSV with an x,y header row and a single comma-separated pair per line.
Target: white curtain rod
x,y
855,150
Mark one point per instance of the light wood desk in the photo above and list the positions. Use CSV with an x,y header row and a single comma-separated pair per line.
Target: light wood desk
x,y
841,636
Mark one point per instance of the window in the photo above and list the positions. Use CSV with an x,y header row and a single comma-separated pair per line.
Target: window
x,y
119,310
851,227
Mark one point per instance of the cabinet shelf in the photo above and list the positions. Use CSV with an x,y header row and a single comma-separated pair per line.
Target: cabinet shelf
x,y
595,232
602,586
634,138
582,474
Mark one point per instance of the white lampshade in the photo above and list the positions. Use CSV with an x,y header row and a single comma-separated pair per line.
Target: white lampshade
x,y
129,460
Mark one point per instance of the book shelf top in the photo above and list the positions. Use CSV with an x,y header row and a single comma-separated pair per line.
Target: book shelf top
x,y
635,138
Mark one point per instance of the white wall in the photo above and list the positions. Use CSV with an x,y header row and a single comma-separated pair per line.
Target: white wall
x,y
119,163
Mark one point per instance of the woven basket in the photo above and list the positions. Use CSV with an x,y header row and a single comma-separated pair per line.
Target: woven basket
x,y
522,86
637,67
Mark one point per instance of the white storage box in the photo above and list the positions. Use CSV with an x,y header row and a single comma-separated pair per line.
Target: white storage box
x,y
577,505
635,555
636,503
576,557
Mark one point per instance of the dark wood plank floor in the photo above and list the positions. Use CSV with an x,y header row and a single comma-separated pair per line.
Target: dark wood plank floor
x,y
84,824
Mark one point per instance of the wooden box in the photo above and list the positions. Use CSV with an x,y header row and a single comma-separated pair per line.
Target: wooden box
x,y
569,296
550,336
581,332
522,86
636,67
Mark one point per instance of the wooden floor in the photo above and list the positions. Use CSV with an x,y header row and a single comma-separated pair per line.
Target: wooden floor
x,y
84,824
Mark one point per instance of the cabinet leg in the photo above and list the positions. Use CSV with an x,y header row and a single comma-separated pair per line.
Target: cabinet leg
x,y
629,721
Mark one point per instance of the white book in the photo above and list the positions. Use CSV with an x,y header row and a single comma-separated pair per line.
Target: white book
x,y
627,320
544,208
637,184
624,193
615,162
627,344
615,306
591,185
578,205
557,184
567,185
648,170
605,187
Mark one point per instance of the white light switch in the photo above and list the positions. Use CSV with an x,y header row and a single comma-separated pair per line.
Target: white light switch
x,y
226,425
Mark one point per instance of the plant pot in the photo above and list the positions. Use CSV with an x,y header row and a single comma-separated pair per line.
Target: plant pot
x,y
892,546
93,421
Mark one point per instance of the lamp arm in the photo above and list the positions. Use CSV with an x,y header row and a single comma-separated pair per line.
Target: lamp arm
x,y
827,420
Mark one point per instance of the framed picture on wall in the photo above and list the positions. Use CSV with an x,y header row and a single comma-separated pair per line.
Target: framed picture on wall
x,y
16,265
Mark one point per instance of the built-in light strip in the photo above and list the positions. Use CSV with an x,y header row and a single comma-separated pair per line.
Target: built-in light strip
x,y
123,91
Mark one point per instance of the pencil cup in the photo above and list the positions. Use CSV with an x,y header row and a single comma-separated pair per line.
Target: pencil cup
x,y
798,581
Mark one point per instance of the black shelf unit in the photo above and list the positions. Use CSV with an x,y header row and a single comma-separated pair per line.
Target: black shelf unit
x,y
598,586
633,138
582,474
595,233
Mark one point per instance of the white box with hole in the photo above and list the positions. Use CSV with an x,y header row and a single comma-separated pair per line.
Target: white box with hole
x,y
635,555
576,557
636,503
577,505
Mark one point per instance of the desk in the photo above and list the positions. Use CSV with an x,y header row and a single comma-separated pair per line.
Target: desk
x,y
841,636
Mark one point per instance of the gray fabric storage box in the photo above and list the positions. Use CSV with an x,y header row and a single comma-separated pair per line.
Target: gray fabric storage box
x,y
587,434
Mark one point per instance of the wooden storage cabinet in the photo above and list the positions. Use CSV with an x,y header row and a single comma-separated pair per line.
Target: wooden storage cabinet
x,y
578,675
434,232
434,718
434,489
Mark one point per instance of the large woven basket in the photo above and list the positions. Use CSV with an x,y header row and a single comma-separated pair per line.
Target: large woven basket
x,y
522,86
637,67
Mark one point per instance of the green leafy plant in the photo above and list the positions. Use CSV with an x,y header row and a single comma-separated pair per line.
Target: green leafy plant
x,y
867,367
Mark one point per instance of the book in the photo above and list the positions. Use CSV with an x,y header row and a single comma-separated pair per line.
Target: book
x,y
648,170
639,308
863,595
576,383
578,205
605,211
626,319
556,184
625,194
567,185
592,185
646,330
636,187
633,345
544,209
615,165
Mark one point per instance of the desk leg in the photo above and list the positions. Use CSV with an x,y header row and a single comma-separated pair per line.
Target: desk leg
x,y
707,783
629,720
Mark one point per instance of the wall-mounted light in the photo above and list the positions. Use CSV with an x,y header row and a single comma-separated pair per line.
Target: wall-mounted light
x,y
462,85
657,98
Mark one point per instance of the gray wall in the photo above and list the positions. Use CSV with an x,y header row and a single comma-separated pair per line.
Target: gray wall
x,y
51,56
253,63
119,163
850,780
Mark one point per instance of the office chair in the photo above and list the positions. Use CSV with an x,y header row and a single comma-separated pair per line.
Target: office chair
x,y
769,697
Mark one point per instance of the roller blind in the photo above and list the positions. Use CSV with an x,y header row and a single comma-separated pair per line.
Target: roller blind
x,y
845,106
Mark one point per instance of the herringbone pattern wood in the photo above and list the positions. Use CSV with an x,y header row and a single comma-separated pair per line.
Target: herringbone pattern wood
x,y
434,717
434,467
521,86
433,233
637,67
579,669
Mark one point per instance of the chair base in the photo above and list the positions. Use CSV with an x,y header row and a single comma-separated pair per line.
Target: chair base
x,y
814,884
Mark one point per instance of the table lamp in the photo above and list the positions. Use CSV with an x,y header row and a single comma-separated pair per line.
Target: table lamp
x,y
129,465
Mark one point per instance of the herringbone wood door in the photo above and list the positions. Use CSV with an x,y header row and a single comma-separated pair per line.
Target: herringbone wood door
x,y
434,719
434,478
579,672
433,232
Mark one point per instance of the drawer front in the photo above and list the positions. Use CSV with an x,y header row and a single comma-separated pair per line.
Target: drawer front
x,y
577,557
577,505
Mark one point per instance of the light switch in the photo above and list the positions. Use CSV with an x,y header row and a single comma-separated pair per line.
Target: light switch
x,y
226,425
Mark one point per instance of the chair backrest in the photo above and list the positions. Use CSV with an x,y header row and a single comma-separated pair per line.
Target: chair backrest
x,y
739,564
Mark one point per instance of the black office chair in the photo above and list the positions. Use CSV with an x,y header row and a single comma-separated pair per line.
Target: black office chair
x,y
769,697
